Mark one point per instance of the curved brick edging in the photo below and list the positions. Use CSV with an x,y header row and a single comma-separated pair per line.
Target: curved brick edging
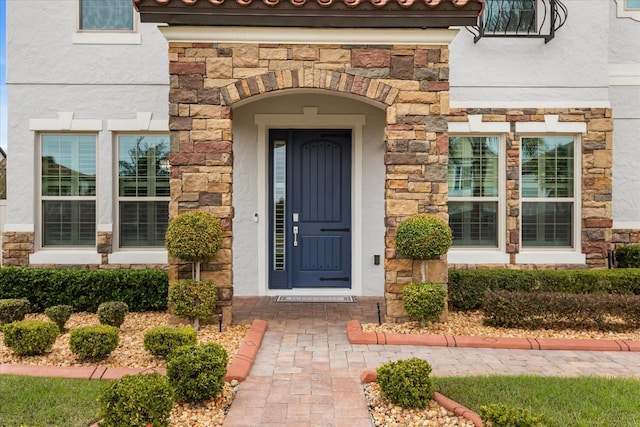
x,y
369,376
237,370
357,336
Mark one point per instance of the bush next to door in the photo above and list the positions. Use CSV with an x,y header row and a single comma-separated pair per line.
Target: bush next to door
x,y
467,287
84,289
137,401
162,340
30,337
424,302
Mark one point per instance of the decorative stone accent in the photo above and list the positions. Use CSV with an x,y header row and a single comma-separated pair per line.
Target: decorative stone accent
x,y
415,133
16,247
105,242
595,176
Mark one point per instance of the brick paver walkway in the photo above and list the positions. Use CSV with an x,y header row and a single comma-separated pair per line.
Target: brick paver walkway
x,y
307,373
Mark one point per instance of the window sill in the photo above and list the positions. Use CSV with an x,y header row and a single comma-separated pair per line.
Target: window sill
x,y
477,256
551,257
106,37
67,257
138,256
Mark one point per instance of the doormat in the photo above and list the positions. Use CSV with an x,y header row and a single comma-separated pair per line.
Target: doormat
x,y
322,298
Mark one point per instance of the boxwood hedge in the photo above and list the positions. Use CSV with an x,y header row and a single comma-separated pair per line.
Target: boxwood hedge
x,y
84,289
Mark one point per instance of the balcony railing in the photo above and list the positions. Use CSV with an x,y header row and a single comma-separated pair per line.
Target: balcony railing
x,y
520,18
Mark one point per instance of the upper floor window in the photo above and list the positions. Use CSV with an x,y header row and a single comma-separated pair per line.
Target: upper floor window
x,y
106,15
474,189
548,195
68,195
143,189
510,16
632,4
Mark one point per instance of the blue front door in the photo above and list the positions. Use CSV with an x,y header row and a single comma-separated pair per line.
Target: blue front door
x,y
310,208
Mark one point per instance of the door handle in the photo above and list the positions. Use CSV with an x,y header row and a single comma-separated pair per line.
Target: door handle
x,y
295,235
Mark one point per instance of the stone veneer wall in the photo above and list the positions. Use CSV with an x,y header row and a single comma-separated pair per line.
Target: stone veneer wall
x,y
410,82
596,150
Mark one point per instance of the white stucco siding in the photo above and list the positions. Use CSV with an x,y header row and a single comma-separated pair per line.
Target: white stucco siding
x,y
247,184
624,38
570,68
42,37
86,102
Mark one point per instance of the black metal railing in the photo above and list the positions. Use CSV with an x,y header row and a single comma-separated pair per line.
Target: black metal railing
x,y
520,18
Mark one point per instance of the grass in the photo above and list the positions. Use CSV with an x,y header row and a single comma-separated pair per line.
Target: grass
x,y
48,402
564,402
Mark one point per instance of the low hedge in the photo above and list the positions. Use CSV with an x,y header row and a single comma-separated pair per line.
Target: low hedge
x,y
467,287
84,289
557,310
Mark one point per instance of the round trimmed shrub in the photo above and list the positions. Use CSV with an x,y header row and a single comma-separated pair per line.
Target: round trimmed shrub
x,y
30,337
196,372
112,313
94,342
59,314
424,301
406,382
193,236
423,236
162,340
13,309
136,401
192,299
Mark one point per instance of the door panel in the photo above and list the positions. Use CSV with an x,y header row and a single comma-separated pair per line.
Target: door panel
x,y
315,230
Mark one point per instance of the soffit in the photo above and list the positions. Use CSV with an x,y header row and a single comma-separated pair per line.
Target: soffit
x,y
312,13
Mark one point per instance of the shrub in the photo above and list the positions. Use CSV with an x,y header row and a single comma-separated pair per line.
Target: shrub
x,y
162,340
136,401
13,309
84,289
423,237
501,415
196,372
112,313
628,256
191,299
467,287
30,337
193,236
94,342
424,301
556,310
59,314
406,382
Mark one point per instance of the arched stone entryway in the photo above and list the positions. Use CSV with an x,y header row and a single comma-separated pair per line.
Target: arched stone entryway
x,y
411,81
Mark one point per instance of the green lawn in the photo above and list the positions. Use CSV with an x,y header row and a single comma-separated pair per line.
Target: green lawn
x,y
565,402
48,402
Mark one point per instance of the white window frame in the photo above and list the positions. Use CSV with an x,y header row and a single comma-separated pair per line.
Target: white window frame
x,y
86,36
552,127
118,199
485,255
42,198
624,12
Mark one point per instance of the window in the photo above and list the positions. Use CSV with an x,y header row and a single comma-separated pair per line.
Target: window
x,y
68,190
473,177
143,189
106,15
510,16
632,4
547,187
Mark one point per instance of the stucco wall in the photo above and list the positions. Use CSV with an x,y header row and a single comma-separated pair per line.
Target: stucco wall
x,y
246,181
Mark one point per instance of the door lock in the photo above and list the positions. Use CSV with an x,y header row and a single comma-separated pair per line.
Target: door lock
x,y
295,235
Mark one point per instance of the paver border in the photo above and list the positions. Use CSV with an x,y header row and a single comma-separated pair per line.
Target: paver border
x,y
238,369
357,336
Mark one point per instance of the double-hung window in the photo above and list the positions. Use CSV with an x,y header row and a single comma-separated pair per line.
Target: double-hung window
x,y
548,193
143,190
474,182
68,197
106,15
